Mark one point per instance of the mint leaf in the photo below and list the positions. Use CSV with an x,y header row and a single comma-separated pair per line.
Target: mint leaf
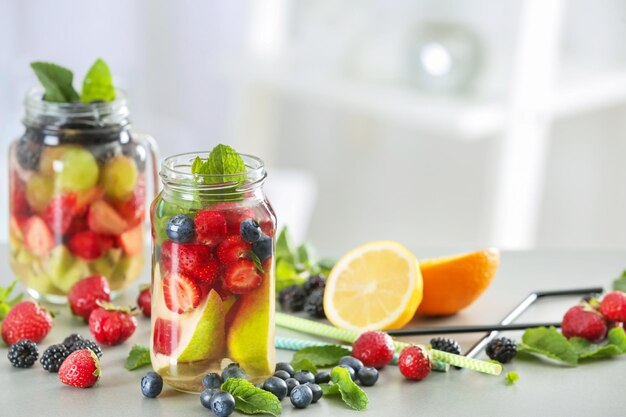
x,y
304,365
5,302
224,160
282,283
329,389
321,355
250,399
550,343
587,350
138,357
286,250
351,393
256,261
617,337
511,378
620,283
56,81
306,255
98,83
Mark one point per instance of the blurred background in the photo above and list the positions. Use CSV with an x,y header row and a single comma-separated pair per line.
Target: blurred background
x,y
434,123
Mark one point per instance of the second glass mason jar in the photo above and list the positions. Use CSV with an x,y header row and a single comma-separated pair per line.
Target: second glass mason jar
x,y
77,195
212,278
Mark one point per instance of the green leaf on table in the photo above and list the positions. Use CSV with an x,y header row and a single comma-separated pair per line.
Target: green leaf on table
x,y
321,355
617,337
549,342
304,365
511,378
329,389
282,283
6,302
138,357
250,399
56,81
587,350
620,283
351,393
98,83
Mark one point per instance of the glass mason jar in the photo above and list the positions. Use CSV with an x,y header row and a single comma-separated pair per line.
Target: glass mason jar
x,y
212,273
77,195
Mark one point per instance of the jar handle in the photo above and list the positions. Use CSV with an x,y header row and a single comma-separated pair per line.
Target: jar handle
x,y
153,148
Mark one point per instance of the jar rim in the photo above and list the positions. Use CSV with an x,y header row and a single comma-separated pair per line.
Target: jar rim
x,y
34,101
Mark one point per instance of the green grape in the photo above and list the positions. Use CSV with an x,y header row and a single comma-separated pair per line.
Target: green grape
x,y
119,178
39,192
77,169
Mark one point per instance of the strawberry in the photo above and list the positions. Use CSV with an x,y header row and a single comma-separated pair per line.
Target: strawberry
x,y
184,257
414,363
374,349
85,198
38,238
234,225
78,224
131,241
102,218
19,203
613,306
232,249
86,245
85,294
144,301
166,336
584,321
210,227
208,272
26,320
81,369
242,277
133,209
112,325
58,215
181,293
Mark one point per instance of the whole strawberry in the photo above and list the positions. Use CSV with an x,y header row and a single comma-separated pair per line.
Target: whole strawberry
x,y
81,369
26,320
584,321
613,306
112,325
144,301
85,294
374,349
414,363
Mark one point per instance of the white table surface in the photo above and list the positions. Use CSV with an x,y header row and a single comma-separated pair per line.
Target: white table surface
x,y
592,389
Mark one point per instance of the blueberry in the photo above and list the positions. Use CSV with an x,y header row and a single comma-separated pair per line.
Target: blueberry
x,y
316,390
222,404
212,380
291,384
350,371
301,396
250,230
276,386
28,153
205,397
368,376
352,362
305,376
282,374
180,228
233,371
285,366
151,385
322,377
263,247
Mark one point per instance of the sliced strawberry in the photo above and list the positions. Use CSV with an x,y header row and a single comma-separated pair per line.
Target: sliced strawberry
x,y
180,292
133,209
210,226
86,245
37,236
184,257
107,242
131,241
166,336
85,198
232,249
59,213
103,218
242,277
208,272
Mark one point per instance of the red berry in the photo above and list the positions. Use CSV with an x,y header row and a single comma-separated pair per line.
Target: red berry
x,y
83,295
234,226
374,349
166,335
19,203
613,306
131,241
232,249
414,363
208,272
180,292
38,238
210,227
242,277
583,321
144,301
78,224
111,325
185,258
86,245
59,213
132,210
26,320
103,219
81,369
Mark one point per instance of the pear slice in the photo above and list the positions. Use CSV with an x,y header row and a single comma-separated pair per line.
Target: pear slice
x,y
64,269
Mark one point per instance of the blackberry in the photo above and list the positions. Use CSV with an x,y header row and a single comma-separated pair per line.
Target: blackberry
x,y
85,344
71,339
502,349
446,345
314,304
314,282
23,353
53,357
28,153
292,298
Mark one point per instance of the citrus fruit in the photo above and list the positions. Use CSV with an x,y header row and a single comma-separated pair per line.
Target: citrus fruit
x,y
453,283
374,286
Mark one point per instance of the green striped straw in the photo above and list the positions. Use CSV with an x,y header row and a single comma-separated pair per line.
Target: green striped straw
x,y
319,329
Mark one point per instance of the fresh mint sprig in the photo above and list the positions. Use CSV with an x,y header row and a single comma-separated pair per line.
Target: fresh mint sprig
x,y
98,83
250,399
224,165
6,302
56,81
619,284
138,357
321,355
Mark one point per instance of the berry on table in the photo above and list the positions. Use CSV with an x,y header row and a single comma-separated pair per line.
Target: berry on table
x,y
314,304
212,380
250,230
316,390
26,320
282,374
53,357
367,376
613,306
350,371
445,345
292,298
151,385
180,228
210,227
85,294
81,344
276,386
263,247
352,362
144,301
285,366
414,363
81,369
71,339
322,377
112,325
233,370
23,353
222,404
291,384
301,396
374,348
584,321
314,282
205,396
501,349
304,376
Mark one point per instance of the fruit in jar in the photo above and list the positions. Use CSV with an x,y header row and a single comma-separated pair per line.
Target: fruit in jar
x,y
105,264
38,238
39,192
64,269
59,213
49,156
76,169
232,249
165,336
126,268
180,228
210,226
263,247
87,245
131,241
242,277
103,218
119,178
180,292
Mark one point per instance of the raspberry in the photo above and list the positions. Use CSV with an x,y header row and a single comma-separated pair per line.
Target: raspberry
x,y
414,363
374,349
613,306
501,349
445,345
